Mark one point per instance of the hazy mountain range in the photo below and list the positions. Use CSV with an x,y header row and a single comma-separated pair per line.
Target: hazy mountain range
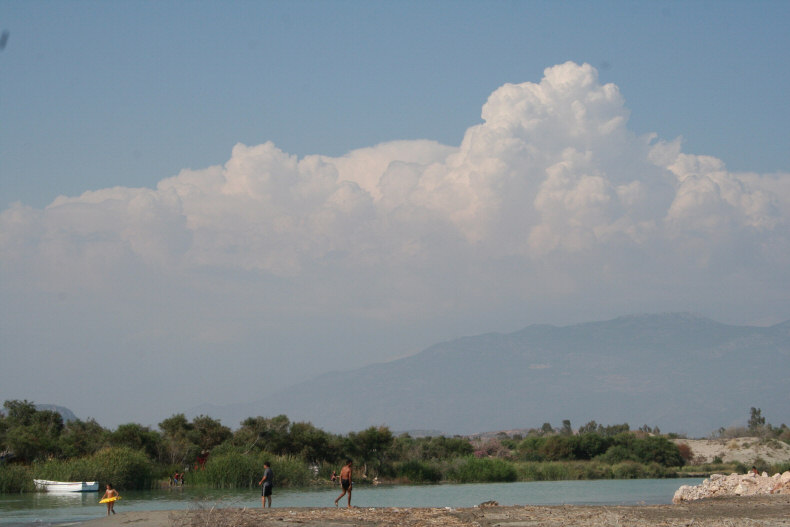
x,y
64,412
680,372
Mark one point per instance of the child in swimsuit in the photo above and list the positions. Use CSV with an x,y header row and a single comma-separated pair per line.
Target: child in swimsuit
x,y
110,493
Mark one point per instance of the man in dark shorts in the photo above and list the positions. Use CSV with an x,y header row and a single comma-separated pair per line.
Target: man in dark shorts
x,y
268,482
345,482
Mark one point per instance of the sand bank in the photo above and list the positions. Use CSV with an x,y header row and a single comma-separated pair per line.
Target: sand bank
x,y
754,511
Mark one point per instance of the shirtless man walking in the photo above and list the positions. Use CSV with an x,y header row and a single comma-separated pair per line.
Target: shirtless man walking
x,y
345,482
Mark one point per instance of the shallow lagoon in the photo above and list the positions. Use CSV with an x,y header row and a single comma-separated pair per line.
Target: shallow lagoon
x,y
43,509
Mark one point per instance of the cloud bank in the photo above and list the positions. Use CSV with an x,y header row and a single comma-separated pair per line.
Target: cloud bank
x,y
550,205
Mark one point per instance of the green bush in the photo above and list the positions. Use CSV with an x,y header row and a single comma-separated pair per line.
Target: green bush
x,y
617,454
530,449
473,470
658,450
558,448
628,470
15,478
657,470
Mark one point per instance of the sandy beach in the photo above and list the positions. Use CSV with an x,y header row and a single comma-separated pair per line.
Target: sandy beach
x,y
748,511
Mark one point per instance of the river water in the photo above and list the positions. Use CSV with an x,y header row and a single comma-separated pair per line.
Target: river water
x,y
42,509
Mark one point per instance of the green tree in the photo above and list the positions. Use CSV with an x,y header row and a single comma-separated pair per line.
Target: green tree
x,y
658,450
31,434
591,445
82,438
179,448
262,433
614,430
138,437
208,433
311,443
560,447
566,429
756,421
590,428
445,447
371,445
531,448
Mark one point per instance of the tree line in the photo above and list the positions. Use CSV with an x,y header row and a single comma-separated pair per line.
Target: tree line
x,y
38,443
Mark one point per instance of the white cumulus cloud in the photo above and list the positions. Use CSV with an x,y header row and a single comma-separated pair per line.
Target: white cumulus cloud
x,y
551,202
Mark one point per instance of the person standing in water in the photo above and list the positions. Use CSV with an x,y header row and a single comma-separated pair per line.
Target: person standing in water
x,y
345,482
108,494
268,483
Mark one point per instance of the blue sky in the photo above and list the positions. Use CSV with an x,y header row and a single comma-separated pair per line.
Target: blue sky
x,y
98,94
268,191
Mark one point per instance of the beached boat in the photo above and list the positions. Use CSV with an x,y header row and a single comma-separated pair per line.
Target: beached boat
x,y
66,486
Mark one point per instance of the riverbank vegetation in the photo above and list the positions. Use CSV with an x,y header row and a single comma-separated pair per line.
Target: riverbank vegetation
x,y
38,444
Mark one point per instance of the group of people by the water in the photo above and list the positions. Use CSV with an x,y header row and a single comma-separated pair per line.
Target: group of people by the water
x,y
177,480
267,483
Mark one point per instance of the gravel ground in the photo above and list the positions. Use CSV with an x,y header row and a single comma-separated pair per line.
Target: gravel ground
x,y
753,511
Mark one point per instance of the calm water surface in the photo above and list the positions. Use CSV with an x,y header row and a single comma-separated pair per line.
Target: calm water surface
x,y
42,509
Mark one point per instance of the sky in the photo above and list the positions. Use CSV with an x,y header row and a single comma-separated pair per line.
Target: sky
x,y
205,202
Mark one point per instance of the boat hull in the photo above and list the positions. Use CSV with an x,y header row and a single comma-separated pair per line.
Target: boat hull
x,y
66,486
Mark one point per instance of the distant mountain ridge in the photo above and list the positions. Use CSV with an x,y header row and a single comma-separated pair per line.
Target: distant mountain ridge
x,y
681,372
64,412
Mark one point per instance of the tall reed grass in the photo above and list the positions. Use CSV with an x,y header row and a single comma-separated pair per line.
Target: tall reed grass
x,y
416,471
15,478
235,469
484,470
122,467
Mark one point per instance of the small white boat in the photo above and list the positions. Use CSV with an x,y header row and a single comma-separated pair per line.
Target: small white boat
x,y
66,486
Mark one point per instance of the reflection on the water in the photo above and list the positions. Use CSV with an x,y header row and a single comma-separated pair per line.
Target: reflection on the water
x,y
64,499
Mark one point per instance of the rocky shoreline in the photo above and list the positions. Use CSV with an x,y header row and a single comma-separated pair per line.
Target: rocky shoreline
x,y
719,485
762,511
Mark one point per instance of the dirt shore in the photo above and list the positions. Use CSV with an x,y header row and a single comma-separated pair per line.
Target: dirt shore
x,y
754,511
745,450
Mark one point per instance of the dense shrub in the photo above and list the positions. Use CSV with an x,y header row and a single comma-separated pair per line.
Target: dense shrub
x,y
617,454
560,447
591,445
658,450
530,449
